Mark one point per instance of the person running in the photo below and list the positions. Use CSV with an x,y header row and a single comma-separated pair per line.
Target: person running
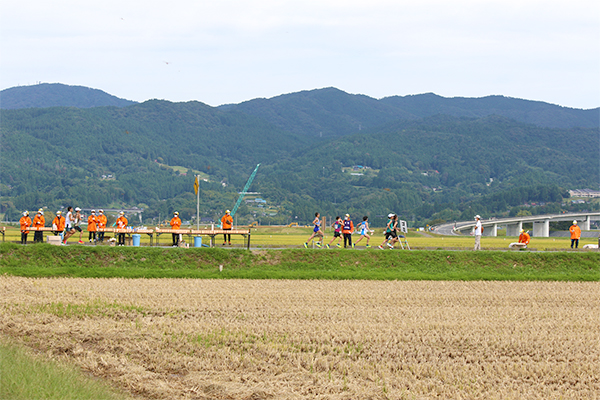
x,y
316,231
390,232
226,225
364,231
337,232
175,224
69,223
25,223
58,224
524,238
101,225
347,230
92,226
121,224
575,234
77,223
39,222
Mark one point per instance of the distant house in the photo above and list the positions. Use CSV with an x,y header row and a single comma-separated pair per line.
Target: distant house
x,y
584,193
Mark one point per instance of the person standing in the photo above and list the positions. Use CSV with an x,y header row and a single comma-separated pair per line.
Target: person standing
x,y
316,231
175,224
92,226
39,222
226,225
58,224
121,224
524,238
478,233
364,231
101,225
347,229
25,223
337,231
575,234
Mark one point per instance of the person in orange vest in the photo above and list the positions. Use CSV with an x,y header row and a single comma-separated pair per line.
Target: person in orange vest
x,y
25,223
121,224
575,234
176,224
58,224
101,223
524,237
227,224
39,222
92,225
347,230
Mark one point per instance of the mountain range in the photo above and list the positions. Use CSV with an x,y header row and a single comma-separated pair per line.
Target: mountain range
x,y
425,156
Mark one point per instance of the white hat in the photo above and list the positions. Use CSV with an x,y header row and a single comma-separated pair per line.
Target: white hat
x,y
77,209
41,210
575,222
390,215
58,212
121,213
93,211
347,215
477,216
176,213
100,211
522,230
25,213
227,211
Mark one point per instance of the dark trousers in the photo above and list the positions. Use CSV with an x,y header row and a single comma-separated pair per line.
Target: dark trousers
x,y
175,239
575,242
92,236
121,238
38,237
23,238
101,236
226,237
347,239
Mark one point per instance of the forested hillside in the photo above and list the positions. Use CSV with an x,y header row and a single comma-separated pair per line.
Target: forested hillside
x,y
57,95
432,168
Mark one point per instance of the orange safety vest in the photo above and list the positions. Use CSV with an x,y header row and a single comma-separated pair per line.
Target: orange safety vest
x,y
575,231
524,238
60,223
175,223
91,223
121,222
39,221
101,219
25,222
227,221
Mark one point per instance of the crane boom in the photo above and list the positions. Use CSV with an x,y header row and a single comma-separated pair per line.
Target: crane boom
x,y
244,191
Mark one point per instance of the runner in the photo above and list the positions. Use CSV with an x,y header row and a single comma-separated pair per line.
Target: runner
x,y
69,225
364,231
101,225
316,231
92,221
77,222
39,222
337,231
25,223
121,224
390,231
347,230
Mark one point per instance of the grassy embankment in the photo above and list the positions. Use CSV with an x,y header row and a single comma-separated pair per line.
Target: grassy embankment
x,y
145,262
25,375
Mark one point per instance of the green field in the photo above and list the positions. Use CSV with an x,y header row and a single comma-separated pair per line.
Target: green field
x,y
45,260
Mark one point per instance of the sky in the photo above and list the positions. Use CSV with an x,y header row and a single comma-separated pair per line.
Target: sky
x,y
229,51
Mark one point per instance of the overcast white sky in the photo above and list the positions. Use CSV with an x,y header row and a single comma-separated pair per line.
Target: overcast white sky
x,y
229,51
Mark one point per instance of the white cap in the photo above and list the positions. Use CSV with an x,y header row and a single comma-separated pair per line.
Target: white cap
x,y
93,211
77,209
121,213
41,210
522,230
227,212
176,213
100,211
575,222
25,213
347,215
390,215
58,212
477,216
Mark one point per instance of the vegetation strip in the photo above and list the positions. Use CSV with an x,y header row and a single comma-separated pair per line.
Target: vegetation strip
x,y
144,262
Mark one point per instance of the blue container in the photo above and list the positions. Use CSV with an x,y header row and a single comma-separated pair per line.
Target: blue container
x,y
197,241
136,239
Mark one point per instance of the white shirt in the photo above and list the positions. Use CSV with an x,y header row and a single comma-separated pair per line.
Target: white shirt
x,y
69,219
478,228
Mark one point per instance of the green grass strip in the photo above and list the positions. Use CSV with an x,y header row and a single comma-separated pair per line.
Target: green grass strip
x,y
44,260
25,376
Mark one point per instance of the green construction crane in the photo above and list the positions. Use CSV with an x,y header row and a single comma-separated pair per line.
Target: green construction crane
x,y
243,193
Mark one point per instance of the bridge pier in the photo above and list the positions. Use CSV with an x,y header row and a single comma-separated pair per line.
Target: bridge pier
x,y
541,228
491,230
514,229
585,224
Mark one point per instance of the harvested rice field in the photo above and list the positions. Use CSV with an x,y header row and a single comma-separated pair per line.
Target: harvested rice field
x,y
273,339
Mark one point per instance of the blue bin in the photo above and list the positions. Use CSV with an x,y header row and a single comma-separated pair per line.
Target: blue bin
x,y
136,239
197,241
